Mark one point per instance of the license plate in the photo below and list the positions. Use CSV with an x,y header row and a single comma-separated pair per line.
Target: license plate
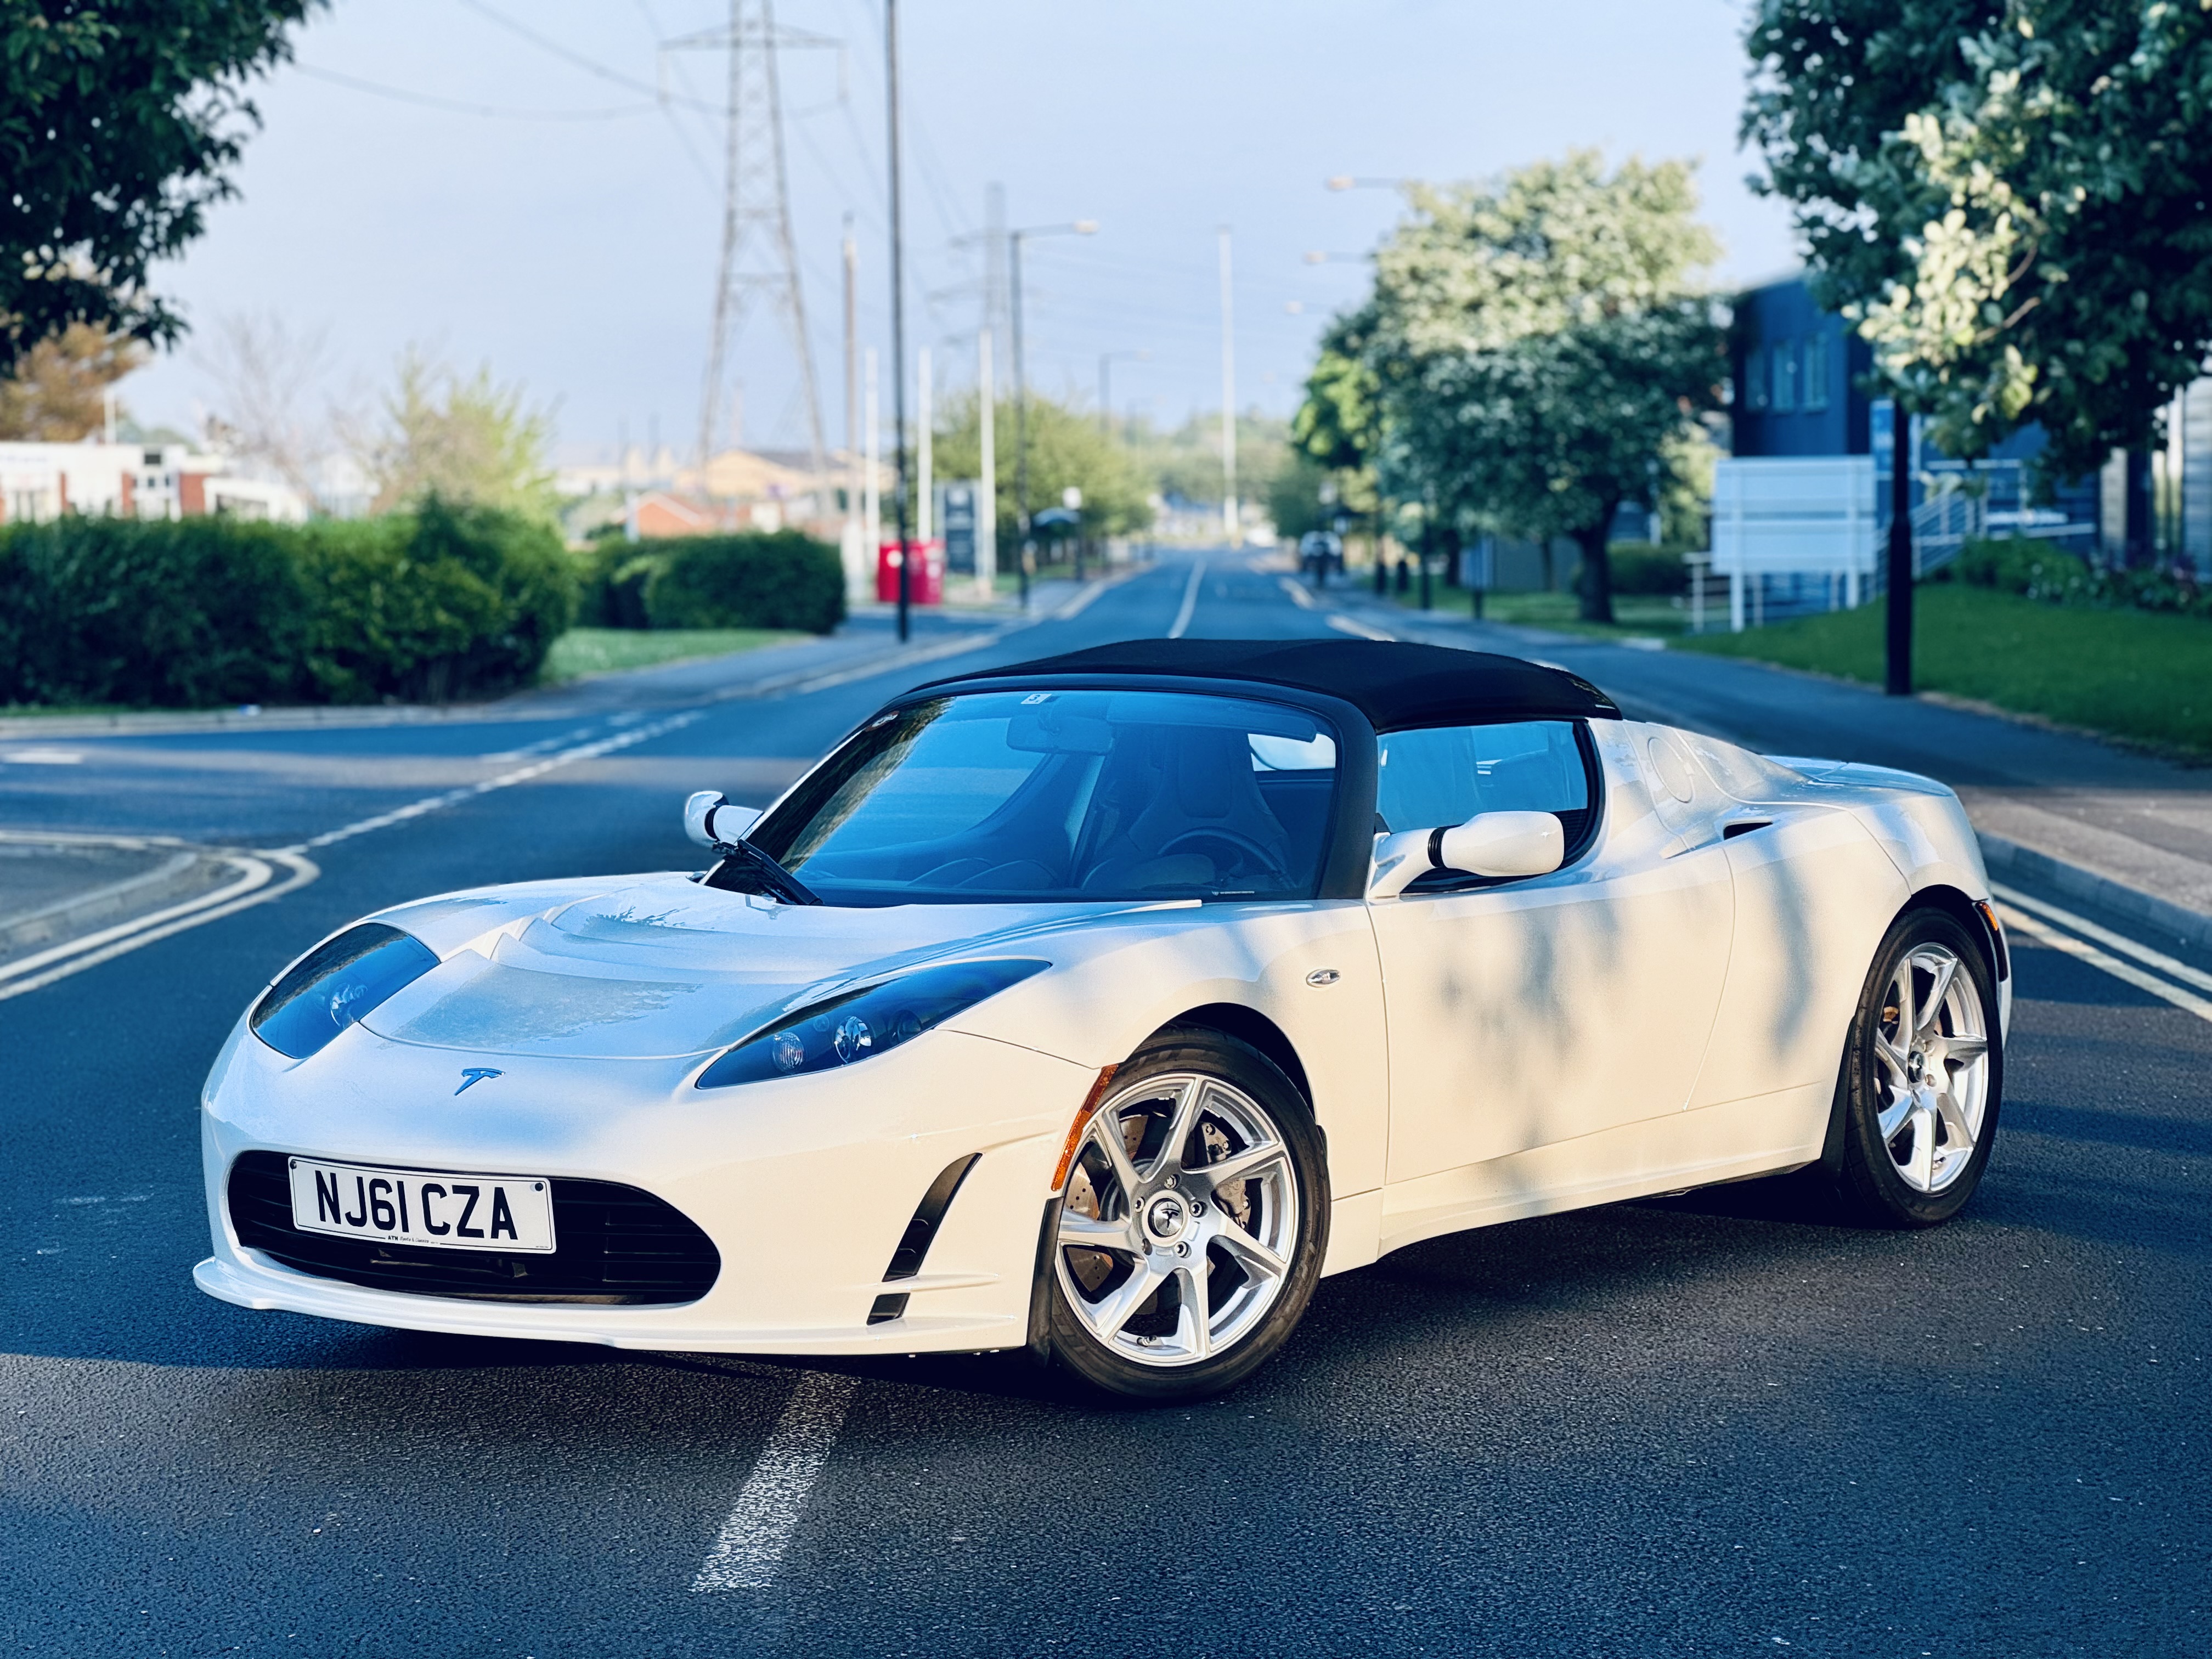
x,y
440,1210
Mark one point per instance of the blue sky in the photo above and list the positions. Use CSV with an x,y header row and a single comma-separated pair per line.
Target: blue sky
x,y
576,256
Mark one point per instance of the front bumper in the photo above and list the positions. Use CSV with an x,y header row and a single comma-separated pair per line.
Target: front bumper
x,y
805,1185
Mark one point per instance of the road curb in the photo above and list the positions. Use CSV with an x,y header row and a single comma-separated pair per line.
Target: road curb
x,y
2009,857
76,913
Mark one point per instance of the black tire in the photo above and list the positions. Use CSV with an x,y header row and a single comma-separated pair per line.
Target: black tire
x,y
1138,1363
1875,1180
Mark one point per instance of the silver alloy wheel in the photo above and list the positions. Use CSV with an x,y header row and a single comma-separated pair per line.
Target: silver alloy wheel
x,y
1933,1041
1179,1219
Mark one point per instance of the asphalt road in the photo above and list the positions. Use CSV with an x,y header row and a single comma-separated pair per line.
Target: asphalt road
x,y
1716,1424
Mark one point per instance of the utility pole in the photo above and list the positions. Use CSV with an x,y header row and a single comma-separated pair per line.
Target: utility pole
x,y
995,283
924,505
1230,525
986,488
1021,423
871,499
1106,361
759,259
1014,240
855,545
898,316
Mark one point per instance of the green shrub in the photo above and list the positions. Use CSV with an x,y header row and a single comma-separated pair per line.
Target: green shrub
x,y
1640,567
2036,570
613,573
785,579
440,602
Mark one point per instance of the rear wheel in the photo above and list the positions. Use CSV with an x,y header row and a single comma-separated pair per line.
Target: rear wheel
x,y
1191,1232
1922,1077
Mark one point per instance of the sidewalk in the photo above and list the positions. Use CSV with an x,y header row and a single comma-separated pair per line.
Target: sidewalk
x,y
2126,830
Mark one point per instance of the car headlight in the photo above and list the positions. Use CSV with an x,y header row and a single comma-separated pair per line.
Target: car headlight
x,y
337,984
843,1029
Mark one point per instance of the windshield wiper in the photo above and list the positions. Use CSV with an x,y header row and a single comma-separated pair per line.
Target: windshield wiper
x,y
775,880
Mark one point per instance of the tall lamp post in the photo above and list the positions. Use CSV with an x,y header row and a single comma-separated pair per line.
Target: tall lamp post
x,y
898,320
1014,241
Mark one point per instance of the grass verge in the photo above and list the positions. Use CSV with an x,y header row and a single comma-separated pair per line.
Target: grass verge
x,y
1640,614
583,651
2134,675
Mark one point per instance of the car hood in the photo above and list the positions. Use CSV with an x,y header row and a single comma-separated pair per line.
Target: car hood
x,y
662,967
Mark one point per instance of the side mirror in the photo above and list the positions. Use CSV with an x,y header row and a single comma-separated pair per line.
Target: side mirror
x,y
1502,844
710,820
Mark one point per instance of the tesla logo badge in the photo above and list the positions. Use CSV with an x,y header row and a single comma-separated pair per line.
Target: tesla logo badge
x,y
473,1075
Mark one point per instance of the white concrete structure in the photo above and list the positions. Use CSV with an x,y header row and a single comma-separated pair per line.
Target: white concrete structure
x,y
1793,515
40,481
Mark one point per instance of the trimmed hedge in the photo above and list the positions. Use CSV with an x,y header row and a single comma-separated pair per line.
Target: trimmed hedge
x,y
784,579
440,602
1640,567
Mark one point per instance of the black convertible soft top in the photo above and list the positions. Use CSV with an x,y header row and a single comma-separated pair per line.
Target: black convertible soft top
x,y
1395,683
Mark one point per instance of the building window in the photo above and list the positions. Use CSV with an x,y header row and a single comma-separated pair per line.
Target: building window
x,y
1754,378
1785,374
1816,373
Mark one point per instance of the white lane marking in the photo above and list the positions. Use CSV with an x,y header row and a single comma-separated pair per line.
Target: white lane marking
x,y
2082,925
1344,625
1189,600
750,1548
538,748
504,781
256,884
1296,590
2020,921
44,756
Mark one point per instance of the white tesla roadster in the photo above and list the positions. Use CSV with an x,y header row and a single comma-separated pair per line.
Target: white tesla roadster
x,y
1100,1005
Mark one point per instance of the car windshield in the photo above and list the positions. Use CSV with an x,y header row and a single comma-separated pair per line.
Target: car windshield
x,y
1028,796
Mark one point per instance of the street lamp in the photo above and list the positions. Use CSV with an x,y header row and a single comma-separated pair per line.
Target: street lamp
x,y
1337,258
1014,240
1346,181
1106,361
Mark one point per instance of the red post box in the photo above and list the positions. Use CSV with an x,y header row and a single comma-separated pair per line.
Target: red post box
x,y
925,582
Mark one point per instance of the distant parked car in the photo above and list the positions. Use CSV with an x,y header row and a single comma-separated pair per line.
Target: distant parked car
x,y
1100,1005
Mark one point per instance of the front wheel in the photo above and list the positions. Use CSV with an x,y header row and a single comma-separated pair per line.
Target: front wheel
x,y
1922,1076
1191,1232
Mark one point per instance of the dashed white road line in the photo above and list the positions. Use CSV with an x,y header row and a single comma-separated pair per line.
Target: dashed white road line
x,y
1345,624
43,756
538,748
1190,601
505,781
1296,590
749,1550
2017,920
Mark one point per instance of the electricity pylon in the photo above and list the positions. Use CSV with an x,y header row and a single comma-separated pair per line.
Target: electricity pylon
x,y
760,260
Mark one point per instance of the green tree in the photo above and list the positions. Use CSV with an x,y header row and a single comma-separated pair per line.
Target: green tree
x,y
1065,447
2009,198
464,440
1535,345
119,123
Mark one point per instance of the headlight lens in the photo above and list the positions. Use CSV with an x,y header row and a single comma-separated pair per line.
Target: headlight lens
x,y
843,1029
336,984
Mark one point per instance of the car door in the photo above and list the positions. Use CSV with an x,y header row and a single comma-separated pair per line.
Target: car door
x,y
1530,1012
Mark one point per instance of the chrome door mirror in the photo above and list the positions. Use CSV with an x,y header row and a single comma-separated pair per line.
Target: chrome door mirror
x,y
1498,844
710,820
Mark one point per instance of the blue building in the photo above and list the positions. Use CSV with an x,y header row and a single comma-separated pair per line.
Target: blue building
x,y
1800,373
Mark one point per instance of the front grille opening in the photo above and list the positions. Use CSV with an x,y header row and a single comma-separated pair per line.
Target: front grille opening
x,y
619,1246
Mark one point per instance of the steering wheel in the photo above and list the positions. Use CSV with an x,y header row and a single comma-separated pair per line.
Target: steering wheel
x,y
1248,857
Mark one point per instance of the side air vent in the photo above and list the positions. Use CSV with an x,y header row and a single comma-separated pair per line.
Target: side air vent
x,y
921,1232
619,1246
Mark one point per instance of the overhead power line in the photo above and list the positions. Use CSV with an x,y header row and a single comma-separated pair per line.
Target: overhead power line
x,y
459,106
